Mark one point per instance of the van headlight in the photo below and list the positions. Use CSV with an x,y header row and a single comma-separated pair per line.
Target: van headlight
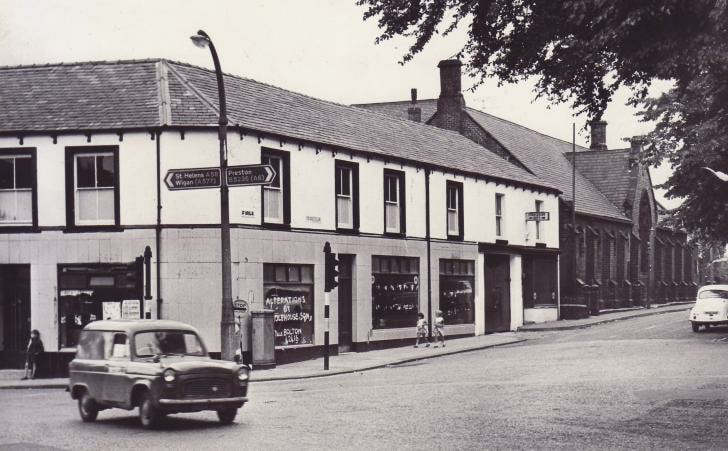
x,y
169,375
243,374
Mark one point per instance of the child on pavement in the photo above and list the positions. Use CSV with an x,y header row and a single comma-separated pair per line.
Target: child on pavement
x,y
35,347
422,330
439,331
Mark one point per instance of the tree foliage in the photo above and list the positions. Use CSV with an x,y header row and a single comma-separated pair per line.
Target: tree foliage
x,y
582,51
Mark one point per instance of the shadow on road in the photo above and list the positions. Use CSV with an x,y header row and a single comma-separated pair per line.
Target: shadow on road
x,y
168,423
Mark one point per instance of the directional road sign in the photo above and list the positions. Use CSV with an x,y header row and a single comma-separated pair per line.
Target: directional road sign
x,y
194,178
251,174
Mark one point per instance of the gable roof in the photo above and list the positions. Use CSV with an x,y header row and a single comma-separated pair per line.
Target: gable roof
x,y
608,170
153,93
542,154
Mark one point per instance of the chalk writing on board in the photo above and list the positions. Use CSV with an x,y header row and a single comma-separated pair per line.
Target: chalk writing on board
x,y
292,306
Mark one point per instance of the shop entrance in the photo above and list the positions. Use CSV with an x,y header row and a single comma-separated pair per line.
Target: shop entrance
x,y
497,293
345,301
14,314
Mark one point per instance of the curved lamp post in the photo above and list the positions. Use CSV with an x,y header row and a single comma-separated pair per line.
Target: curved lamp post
x,y
227,321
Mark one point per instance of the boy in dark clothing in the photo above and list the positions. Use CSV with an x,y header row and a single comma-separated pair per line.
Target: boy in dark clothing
x,y
35,347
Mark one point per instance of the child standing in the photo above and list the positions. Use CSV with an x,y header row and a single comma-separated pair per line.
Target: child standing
x,y
422,330
35,347
439,328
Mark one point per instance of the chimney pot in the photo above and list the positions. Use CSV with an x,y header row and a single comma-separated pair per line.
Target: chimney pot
x,y
413,93
598,135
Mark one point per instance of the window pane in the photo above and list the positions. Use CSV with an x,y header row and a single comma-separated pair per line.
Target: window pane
x,y
343,211
24,212
23,172
273,204
346,181
6,173
105,170
85,173
280,273
293,274
86,206
8,209
269,274
307,274
498,230
392,217
106,204
276,163
452,223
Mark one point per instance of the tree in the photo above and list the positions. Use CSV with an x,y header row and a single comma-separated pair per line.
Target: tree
x,y
582,51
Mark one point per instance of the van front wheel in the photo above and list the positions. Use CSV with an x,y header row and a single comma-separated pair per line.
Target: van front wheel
x,y
696,327
87,408
149,415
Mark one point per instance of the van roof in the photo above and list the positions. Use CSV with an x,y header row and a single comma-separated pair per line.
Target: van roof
x,y
136,325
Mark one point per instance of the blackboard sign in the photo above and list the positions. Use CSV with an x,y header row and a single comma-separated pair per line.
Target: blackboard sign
x,y
293,312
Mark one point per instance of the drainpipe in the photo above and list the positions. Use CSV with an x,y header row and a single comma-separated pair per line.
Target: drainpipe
x,y
429,251
158,228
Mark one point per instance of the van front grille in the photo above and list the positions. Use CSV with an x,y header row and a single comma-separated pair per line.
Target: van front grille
x,y
207,387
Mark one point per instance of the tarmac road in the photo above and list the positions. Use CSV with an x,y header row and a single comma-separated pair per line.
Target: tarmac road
x,y
643,383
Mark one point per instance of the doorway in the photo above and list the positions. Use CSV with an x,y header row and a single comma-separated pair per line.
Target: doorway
x,y
497,293
345,302
14,314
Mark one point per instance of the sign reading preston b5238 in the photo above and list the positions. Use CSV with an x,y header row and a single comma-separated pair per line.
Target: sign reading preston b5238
x,y
192,178
250,175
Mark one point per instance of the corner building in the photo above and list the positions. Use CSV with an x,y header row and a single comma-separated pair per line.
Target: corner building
x,y
421,218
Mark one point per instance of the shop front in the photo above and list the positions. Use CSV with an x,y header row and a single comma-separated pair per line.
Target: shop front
x,y
91,292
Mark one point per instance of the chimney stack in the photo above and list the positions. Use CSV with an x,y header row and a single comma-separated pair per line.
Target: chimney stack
x,y
414,113
450,104
598,135
636,143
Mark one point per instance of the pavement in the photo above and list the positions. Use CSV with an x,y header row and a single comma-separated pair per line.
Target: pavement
x,y
357,362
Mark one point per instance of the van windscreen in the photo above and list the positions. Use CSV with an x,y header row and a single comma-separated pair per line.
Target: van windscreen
x,y
712,294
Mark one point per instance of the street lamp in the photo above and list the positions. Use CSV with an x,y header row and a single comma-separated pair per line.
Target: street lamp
x,y
227,323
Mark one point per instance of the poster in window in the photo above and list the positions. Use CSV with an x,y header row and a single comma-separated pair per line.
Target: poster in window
x,y
130,309
111,310
292,305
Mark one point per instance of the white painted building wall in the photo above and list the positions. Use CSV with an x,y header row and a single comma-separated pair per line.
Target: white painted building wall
x,y
190,260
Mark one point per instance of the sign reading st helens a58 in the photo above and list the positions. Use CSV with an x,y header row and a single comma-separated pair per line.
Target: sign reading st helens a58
x,y
193,178
197,178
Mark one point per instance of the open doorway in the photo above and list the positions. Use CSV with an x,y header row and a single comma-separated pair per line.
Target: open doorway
x,y
14,314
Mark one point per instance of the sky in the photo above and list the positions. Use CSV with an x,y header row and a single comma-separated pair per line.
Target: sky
x,y
322,48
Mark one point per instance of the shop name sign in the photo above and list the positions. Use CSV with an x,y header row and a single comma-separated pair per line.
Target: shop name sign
x,y
197,178
537,216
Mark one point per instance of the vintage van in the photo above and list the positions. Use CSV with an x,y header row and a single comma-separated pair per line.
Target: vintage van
x,y
159,366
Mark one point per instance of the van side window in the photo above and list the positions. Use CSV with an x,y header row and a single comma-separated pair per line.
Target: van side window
x,y
120,347
90,345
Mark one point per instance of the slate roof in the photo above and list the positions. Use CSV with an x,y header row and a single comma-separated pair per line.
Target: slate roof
x,y
542,154
151,93
608,170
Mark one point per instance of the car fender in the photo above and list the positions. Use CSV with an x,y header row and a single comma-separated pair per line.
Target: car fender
x,y
77,388
140,385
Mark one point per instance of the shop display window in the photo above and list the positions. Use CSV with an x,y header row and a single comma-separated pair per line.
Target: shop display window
x,y
457,283
89,293
395,292
288,291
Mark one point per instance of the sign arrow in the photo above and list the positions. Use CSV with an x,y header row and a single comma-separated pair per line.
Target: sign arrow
x,y
250,175
192,178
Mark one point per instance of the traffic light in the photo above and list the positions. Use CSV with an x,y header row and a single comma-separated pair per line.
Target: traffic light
x,y
332,273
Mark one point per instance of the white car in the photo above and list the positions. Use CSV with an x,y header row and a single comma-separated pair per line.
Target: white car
x,y
711,307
